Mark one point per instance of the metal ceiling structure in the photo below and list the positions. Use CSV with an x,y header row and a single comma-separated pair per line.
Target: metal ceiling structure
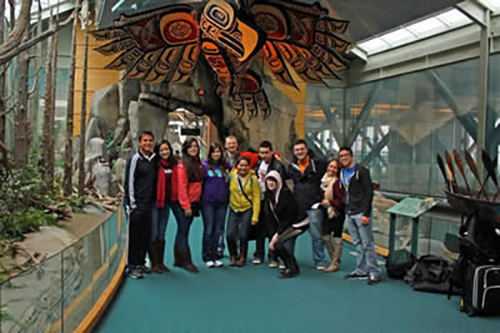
x,y
368,18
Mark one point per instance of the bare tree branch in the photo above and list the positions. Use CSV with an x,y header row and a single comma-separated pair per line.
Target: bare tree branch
x,y
9,54
22,23
9,110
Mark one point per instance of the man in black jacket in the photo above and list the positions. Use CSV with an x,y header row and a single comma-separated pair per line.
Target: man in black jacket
x,y
359,196
306,172
267,163
138,201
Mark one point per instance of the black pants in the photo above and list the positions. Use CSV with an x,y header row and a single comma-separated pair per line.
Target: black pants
x,y
282,251
139,233
334,225
260,250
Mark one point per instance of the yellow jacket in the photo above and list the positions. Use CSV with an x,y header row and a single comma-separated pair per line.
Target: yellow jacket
x,y
251,187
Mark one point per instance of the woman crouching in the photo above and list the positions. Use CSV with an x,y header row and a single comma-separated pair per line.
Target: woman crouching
x,y
290,222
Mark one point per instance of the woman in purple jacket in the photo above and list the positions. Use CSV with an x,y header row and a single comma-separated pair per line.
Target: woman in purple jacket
x,y
214,200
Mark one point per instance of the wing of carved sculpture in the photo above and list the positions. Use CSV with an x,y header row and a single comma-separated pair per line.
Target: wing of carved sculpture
x,y
302,35
158,46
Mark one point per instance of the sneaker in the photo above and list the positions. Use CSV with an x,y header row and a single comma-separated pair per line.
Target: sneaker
x,y
134,273
210,264
218,263
145,269
282,266
373,279
257,261
356,276
320,267
274,264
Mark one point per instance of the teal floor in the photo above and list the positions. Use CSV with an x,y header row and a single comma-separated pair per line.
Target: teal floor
x,y
253,299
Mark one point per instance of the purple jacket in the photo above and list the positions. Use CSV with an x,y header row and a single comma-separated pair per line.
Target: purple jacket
x,y
215,186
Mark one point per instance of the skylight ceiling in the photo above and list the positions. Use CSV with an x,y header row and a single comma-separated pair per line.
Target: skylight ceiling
x,y
448,20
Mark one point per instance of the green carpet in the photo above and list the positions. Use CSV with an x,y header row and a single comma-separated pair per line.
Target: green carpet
x,y
253,299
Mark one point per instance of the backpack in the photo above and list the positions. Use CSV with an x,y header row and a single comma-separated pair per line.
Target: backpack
x,y
431,274
398,263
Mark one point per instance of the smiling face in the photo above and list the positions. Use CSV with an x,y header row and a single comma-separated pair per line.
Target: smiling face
x,y
193,149
146,143
243,167
165,151
333,169
265,154
231,145
345,158
300,151
216,154
271,184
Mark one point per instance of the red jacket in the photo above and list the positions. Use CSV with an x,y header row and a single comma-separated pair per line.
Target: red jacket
x,y
182,190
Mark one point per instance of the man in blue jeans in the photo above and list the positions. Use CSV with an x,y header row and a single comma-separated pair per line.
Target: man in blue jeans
x,y
359,196
306,172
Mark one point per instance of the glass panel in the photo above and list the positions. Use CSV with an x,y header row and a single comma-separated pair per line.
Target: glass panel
x,y
100,255
31,302
77,284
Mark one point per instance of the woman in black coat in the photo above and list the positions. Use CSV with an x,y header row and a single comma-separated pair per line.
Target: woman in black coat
x,y
284,220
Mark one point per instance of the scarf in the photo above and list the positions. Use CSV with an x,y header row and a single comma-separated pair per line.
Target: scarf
x,y
162,190
327,187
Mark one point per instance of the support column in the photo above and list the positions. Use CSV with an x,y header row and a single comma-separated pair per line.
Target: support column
x,y
484,55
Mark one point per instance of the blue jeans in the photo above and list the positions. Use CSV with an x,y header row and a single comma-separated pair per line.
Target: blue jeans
x,y
222,241
214,217
183,226
362,237
159,221
318,247
238,229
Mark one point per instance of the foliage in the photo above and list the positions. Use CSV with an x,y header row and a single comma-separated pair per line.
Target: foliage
x,y
22,200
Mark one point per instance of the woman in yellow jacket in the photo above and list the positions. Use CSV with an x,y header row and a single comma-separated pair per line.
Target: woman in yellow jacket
x,y
244,204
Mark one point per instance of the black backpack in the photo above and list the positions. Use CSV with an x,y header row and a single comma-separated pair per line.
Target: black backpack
x,y
431,274
399,263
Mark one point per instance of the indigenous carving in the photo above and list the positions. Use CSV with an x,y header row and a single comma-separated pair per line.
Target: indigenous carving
x,y
164,45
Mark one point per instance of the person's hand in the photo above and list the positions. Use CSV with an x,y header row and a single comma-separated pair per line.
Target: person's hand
x,y
273,241
255,222
188,212
365,220
325,203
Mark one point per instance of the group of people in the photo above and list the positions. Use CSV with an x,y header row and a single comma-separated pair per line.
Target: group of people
x,y
252,187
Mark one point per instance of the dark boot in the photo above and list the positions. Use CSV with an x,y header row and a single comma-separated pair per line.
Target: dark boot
x,y
292,267
242,260
233,252
161,257
178,260
153,256
188,264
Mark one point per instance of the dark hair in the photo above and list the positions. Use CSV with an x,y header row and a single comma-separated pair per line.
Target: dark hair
x,y
192,164
345,148
243,158
222,161
266,144
143,133
338,164
171,159
300,142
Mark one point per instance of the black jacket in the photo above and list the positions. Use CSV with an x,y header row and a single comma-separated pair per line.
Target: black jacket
x,y
140,179
307,190
275,165
359,195
284,214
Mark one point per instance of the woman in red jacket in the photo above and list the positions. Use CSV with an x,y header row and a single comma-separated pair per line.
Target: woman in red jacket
x,y
186,193
334,205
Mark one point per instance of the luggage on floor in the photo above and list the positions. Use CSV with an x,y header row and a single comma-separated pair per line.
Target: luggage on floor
x,y
481,293
399,263
432,274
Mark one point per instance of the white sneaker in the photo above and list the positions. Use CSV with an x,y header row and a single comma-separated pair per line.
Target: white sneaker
x,y
210,264
218,263
257,261
321,267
